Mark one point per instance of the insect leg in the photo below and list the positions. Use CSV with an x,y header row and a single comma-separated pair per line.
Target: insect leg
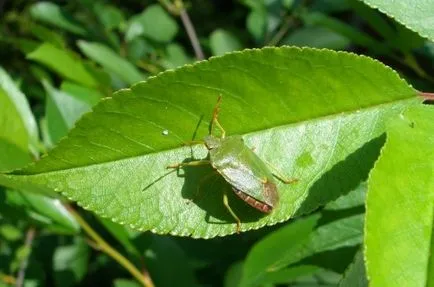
x,y
226,203
215,117
278,174
190,163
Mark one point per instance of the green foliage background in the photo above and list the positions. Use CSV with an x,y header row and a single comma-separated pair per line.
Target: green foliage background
x,y
98,97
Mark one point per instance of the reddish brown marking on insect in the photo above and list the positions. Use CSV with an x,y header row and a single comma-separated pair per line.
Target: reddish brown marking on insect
x,y
259,205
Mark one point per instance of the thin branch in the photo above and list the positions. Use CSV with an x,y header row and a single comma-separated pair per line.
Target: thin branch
x,y
102,245
282,32
30,235
191,32
427,96
178,9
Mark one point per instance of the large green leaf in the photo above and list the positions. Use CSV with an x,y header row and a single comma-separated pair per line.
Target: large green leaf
x,y
316,115
64,63
416,15
400,204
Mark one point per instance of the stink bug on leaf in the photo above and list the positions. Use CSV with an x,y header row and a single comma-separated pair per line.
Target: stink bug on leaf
x,y
251,178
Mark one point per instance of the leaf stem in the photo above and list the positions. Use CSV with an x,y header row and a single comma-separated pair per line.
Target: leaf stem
x,y
102,245
178,9
30,235
427,96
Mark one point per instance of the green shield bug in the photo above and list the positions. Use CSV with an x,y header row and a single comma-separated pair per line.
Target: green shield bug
x,y
251,177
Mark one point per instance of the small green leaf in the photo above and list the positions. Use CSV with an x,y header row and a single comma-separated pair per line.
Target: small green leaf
x,y
10,232
51,13
111,61
110,16
222,42
70,263
82,93
257,23
63,63
317,37
175,57
62,111
355,275
318,117
416,15
17,123
11,156
400,204
154,23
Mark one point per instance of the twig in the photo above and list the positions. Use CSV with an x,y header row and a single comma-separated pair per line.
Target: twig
x,y
30,235
178,9
427,96
191,32
102,245
282,32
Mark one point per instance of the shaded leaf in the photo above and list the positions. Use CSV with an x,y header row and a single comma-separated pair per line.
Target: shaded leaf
x,y
355,276
111,61
51,13
70,263
317,37
416,15
49,212
399,208
175,57
63,63
271,253
318,117
222,42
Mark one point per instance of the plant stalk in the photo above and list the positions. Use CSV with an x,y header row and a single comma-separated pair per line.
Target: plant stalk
x,y
102,245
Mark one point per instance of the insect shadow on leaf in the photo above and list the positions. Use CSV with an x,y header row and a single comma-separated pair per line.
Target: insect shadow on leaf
x,y
239,169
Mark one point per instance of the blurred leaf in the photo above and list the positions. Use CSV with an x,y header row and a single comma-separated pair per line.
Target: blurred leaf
x,y
126,283
346,30
70,263
111,61
282,247
317,37
295,274
399,216
175,57
62,111
110,16
257,23
271,253
65,64
416,15
121,234
11,156
17,123
154,23
48,211
168,265
47,35
330,6
234,274
222,42
84,94
10,232
321,277
355,275
319,116
52,14
139,48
